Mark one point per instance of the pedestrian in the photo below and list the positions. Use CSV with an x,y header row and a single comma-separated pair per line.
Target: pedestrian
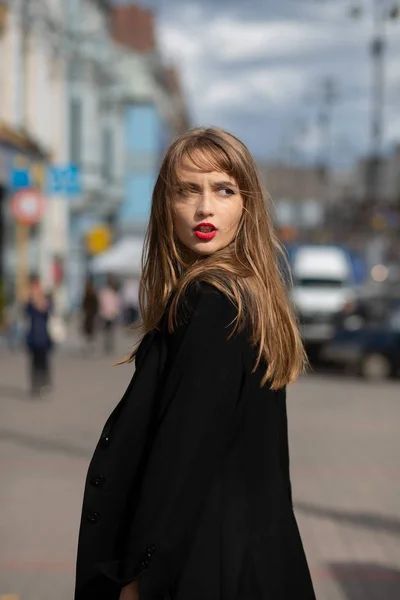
x,y
188,494
38,339
130,298
90,307
109,311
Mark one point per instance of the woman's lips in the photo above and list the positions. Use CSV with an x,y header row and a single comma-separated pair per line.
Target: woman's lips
x,y
203,235
205,231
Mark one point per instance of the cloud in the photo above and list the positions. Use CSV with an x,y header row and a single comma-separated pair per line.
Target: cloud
x,y
257,67
267,86
241,41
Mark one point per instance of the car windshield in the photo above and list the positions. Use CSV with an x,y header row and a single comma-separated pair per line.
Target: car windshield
x,y
318,282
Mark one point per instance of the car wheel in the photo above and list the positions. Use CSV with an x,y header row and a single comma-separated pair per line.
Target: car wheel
x,y
375,367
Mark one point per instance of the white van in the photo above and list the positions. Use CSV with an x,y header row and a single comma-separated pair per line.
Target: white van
x,y
323,284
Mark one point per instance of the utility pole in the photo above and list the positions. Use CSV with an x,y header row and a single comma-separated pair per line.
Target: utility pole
x,y
378,49
324,156
382,12
324,122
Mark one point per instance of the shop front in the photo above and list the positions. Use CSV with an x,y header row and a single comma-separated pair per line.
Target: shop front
x,y
22,165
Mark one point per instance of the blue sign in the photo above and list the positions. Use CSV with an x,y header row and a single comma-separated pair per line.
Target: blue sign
x,y
64,180
20,178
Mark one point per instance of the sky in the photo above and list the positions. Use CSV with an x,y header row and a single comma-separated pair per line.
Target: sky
x,y
257,68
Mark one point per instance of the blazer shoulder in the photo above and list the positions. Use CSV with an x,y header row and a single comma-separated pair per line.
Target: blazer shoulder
x,y
204,299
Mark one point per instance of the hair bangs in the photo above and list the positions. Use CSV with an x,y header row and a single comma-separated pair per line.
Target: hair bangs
x,y
208,156
205,154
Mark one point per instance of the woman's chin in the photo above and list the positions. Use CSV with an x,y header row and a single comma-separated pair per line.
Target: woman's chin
x,y
201,247
204,248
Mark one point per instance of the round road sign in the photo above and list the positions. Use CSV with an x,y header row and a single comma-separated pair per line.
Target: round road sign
x,y
27,206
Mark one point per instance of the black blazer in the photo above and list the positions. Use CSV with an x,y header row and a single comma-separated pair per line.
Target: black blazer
x,y
189,485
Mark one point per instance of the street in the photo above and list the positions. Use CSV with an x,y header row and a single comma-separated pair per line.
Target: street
x,y
345,449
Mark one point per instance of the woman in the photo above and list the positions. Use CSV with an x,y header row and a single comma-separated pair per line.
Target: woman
x,y
188,493
109,311
130,299
38,338
90,306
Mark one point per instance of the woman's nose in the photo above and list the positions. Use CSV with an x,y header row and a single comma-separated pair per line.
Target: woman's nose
x,y
205,206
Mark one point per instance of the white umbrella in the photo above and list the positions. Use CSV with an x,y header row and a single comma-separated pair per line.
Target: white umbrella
x,y
124,258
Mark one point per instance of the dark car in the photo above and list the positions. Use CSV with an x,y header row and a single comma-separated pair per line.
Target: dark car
x,y
370,348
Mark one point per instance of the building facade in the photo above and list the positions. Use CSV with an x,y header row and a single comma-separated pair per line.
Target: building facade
x,y
125,107
299,198
29,117
95,137
389,178
79,96
155,111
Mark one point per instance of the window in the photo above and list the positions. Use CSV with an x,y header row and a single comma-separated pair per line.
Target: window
x,y
107,168
75,136
320,282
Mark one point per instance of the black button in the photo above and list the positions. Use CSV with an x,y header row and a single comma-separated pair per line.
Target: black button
x,y
97,480
93,518
153,549
104,441
145,564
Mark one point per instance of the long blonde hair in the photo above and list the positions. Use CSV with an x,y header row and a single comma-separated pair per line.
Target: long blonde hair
x,y
247,270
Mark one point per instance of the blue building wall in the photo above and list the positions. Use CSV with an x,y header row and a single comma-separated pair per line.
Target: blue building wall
x,y
142,148
165,139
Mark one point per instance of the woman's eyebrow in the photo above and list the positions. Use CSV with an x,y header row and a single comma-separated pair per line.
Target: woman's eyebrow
x,y
226,183
184,183
192,184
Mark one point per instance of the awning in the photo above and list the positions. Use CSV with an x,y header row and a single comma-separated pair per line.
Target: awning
x,y
124,258
22,141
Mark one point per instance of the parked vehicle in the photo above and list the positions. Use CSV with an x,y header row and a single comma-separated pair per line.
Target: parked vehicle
x,y
368,344
323,283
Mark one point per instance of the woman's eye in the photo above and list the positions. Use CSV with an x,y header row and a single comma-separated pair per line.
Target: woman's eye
x,y
187,190
225,192
184,191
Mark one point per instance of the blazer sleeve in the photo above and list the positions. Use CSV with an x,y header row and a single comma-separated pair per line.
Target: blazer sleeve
x,y
200,394
285,455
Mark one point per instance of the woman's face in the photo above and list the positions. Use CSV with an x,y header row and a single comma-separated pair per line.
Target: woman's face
x,y
206,209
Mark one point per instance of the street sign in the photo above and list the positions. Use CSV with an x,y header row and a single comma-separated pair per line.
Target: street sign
x,y
98,239
26,173
20,178
65,180
27,206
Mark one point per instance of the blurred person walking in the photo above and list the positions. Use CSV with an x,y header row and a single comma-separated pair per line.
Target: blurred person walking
x,y
188,494
38,339
109,311
90,309
130,299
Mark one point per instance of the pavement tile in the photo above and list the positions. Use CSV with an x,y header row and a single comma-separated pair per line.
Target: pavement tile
x,y
345,445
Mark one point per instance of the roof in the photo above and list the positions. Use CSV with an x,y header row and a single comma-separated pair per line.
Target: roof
x,y
133,27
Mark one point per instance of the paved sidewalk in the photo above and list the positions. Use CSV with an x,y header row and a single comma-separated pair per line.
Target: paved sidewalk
x,y
345,448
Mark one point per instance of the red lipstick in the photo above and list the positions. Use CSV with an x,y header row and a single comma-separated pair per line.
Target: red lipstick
x,y
205,231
